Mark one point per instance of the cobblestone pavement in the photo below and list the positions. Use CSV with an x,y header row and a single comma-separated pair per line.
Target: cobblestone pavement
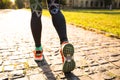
x,y
97,56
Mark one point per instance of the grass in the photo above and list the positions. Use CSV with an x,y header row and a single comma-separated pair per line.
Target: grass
x,y
103,20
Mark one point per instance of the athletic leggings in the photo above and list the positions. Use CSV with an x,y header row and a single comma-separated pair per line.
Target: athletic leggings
x,y
57,19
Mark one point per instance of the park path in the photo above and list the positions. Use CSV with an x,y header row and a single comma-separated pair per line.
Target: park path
x,y
97,56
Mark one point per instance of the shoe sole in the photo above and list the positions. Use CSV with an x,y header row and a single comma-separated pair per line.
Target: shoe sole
x,y
69,64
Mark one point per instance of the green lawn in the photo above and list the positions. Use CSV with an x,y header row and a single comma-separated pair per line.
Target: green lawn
x,y
103,20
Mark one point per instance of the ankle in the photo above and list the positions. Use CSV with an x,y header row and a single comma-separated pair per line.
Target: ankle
x,y
39,48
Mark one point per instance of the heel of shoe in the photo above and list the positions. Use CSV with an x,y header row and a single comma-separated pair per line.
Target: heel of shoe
x,y
68,52
68,66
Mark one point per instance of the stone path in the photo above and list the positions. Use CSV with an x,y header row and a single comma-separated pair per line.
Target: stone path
x,y
97,56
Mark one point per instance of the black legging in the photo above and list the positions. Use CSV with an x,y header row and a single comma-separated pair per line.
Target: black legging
x,y
57,19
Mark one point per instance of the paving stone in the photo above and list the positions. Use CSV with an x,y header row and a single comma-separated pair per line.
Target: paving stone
x,y
14,57
117,64
17,52
57,61
1,61
96,51
115,55
108,66
20,66
16,74
57,68
118,78
81,63
76,58
31,55
27,55
115,72
1,68
3,76
7,62
102,61
87,69
97,76
78,72
91,70
32,63
22,56
85,78
5,54
86,49
33,71
94,63
108,76
46,52
114,59
24,78
8,68
102,68
38,77
21,61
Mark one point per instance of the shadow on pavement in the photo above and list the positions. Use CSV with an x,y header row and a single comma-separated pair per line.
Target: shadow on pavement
x,y
46,69
71,76
48,72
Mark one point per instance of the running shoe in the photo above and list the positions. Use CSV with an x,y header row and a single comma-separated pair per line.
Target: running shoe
x,y
38,55
67,52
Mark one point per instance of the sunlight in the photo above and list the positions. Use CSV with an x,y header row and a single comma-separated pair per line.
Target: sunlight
x,y
12,1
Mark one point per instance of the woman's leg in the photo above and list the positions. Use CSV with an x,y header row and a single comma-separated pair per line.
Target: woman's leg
x,y
67,49
36,25
58,19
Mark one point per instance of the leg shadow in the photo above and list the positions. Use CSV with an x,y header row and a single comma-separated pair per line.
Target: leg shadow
x,y
46,69
48,72
70,76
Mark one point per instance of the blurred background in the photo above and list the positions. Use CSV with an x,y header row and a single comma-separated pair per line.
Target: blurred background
x,y
18,4
89,4
97,15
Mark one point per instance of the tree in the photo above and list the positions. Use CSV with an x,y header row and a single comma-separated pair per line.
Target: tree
x,y
5,4
44,3
19,3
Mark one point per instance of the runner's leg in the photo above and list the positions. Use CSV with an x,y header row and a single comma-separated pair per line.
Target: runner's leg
x,y
67,49
36,25
58,19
